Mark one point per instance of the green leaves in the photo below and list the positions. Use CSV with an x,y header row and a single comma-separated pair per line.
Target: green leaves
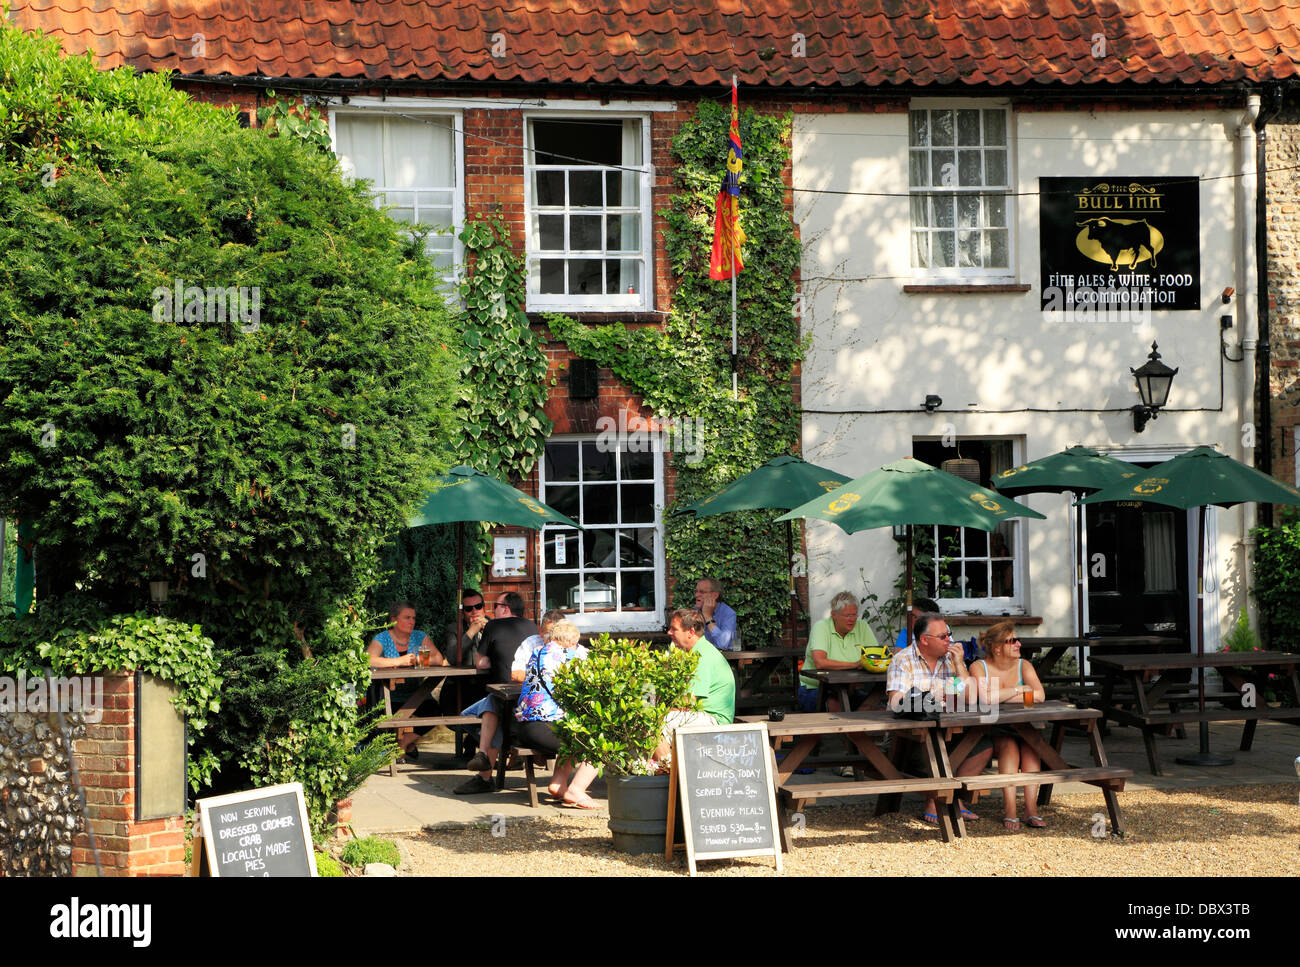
x,y
616,700
683,369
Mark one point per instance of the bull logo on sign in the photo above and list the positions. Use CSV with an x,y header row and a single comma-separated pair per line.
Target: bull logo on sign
x,y
1119,241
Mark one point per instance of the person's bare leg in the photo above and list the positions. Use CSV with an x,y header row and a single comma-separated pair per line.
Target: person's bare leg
x,y
583,776
973,766
560,779
1030,762
1008,752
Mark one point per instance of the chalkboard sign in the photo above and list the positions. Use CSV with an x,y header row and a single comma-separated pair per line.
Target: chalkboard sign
x,y
261,832
728,799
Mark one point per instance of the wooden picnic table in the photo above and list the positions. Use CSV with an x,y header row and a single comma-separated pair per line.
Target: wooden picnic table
x,y
1135,685
755,667
864,730
841,682
1056,647
1055,769
405,717
507,693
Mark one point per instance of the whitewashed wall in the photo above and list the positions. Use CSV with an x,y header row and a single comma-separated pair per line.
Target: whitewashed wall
x,y
876,348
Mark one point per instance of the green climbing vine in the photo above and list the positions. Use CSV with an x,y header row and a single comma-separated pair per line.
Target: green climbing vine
x,y
682,369
501,427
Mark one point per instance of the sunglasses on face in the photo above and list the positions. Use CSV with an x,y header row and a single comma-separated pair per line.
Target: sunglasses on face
x,y
473,607
1012,641
946,635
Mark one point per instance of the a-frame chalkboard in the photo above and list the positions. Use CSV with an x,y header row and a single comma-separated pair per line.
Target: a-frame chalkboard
x,y
261,832
728,796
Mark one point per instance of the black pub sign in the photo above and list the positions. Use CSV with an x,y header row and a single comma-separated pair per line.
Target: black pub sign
x,y
1119,243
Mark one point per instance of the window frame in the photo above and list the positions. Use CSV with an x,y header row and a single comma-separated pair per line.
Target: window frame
x,y
537,301
385,109
1016,604
958,273
618,620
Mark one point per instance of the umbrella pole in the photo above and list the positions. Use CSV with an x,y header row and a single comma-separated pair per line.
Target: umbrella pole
x,y
1204,757
794,594
1078,578
907,616
460,583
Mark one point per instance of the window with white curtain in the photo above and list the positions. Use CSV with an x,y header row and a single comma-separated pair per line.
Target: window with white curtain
x,y
588,209
959,177
411,164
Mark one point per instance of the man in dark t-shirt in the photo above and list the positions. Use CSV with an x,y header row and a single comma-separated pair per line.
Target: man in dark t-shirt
x,y
501,638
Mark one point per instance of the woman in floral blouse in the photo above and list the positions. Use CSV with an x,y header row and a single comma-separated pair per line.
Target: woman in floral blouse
x,y
537,708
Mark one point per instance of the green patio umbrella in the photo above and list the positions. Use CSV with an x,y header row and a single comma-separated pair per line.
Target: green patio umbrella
x,y
1198,478
781,483
1078,471
909,492
464,494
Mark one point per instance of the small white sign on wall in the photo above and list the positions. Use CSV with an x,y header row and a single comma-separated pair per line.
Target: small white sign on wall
x,y
509,556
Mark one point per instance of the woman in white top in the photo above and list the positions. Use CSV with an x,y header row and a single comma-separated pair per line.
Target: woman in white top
x,y
1003,676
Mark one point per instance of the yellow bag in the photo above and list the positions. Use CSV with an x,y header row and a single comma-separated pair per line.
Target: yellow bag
x,y
875,658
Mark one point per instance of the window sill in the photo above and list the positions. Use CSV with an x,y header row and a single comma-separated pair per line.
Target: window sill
x,y
984,620
634,316
957,288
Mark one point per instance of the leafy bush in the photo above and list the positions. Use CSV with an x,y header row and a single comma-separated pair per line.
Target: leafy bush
x,y
371,849
1241,638
616,700
1277,583
327,865
252,445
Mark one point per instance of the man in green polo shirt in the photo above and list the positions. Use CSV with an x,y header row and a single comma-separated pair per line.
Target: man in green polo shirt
x,y
713,684
835,642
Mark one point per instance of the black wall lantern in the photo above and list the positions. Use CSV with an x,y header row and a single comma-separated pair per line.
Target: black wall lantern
x,y
1153,381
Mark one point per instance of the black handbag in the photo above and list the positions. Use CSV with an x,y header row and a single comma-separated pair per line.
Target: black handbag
x,y
916,704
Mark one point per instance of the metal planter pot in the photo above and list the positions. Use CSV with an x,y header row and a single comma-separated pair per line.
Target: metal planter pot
x,y
638,812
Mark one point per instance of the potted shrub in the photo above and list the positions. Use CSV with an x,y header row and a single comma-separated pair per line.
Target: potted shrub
x,y
1242,639
615,703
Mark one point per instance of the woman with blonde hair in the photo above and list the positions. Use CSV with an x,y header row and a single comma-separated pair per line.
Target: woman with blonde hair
x,y
1003,676
537,709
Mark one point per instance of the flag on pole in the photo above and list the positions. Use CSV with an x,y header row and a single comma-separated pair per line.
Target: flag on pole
x,y
727,234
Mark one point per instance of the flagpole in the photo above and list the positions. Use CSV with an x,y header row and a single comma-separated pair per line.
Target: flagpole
x,y
735,390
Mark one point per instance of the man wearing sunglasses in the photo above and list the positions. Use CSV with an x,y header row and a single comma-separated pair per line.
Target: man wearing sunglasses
x,y
475,619
932,660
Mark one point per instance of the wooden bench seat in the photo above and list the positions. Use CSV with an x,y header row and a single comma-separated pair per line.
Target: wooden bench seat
x,y
419,722
1111,777
809,791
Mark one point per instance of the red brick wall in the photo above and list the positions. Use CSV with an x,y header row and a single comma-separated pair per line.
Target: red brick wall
x,y
106,762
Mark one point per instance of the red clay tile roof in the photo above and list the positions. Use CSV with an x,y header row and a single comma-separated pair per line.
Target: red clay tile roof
x,y
680,42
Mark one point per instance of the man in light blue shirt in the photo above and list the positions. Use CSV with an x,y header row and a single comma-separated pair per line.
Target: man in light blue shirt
x,y
720,620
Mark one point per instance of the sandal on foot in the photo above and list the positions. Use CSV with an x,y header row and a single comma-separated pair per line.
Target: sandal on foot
x,y
586,802
968,815
1011,825
1035,822
930,819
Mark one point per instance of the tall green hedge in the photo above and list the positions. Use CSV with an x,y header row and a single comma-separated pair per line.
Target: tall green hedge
x,y
254,463
1277,583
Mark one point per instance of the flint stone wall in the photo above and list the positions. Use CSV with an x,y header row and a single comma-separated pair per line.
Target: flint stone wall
x,y
40,813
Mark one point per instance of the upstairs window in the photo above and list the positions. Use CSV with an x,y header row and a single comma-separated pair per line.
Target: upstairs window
x,y
588,208
959,177
413,170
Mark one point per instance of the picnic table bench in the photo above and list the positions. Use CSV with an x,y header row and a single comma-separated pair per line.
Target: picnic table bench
x,y
840,683
405,717
754,669
1110,779
863,730
1136,685
1083,684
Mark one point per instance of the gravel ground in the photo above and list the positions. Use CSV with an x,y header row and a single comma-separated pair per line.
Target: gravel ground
x,y
1221,831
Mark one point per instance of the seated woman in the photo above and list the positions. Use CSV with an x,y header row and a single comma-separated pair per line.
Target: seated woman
x,y
399,647
1004,677
537,709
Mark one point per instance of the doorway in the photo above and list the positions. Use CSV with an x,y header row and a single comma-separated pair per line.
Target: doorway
x,y
1137,570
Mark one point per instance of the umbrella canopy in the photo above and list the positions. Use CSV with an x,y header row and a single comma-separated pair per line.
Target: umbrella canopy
x,y
1196,478
781,483
911,492
466,494
1076,470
